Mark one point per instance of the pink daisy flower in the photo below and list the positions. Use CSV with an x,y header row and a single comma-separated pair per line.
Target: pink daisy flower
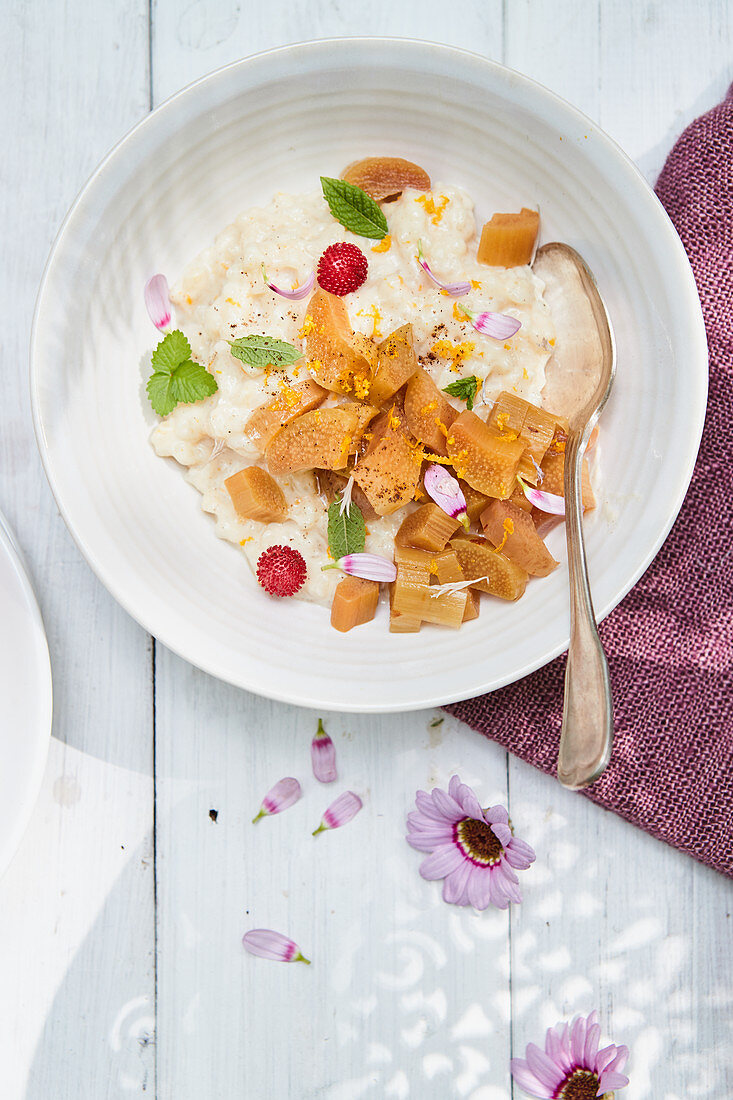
x,y
571,1067
473,850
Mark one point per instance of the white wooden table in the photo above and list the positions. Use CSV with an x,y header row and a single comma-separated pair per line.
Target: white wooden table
x,y
121,969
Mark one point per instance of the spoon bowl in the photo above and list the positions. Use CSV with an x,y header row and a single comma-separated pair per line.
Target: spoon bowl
x,y
580,376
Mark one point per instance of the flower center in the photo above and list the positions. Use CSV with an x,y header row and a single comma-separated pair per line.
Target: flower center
x,y
582,1085
478,840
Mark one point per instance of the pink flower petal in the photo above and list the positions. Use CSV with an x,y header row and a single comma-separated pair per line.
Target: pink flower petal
x,y
516,858
157,301
455,290
370,567
543,1067
447,805
479,888
346,807
426,806
502,833
444,489
526,1080
267,944
442,862
498,894
500,326
280,797
422,843
604,1058
323,756
496,814
454,887
611,1081
577,1039
592,1037
547,502
297,292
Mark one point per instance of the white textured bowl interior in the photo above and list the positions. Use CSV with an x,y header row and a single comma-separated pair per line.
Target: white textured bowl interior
x,y
277,122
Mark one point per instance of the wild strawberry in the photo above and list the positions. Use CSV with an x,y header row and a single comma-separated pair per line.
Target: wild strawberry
x,y
281,570
342,268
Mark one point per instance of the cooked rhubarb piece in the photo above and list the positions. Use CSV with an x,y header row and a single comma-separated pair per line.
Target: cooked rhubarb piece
x,y
332,484
322,438
479,559
482,457
390,468
512,528
447,568
396,362
519,499
255,495
427,528
385,178
509,240
473,605
513,416
447,609
273,415
399,621
411,590
553,479
354,602
338,361
475,501
427,412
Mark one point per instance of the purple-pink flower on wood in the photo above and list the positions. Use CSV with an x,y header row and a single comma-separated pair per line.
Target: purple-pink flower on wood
x,y
280,797
473,850
370,567
297,292
346,806
547,502
455,290
267,944
500,326
323,756
157,302
571,1065
444,489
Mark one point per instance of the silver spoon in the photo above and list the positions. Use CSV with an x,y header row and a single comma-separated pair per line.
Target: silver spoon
x,y
579,379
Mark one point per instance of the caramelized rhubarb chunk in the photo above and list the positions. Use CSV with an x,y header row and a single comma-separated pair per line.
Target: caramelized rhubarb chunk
x,y
427,528
473,605
441,565
354,602
395,363
322,438
553,479
400,622
266,420
255,495
447,568
390,468
338,360
482,457
512,416
411,590
512,528
385,178
509,240
427,412
475,501
479,559
447,609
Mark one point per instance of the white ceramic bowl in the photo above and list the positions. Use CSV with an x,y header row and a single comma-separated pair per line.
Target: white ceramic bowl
x,y
276,122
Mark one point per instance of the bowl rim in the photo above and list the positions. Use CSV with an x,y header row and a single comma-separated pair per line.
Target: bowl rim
x,y
684,283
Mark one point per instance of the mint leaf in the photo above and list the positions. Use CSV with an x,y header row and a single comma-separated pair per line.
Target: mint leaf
x,y
464,389
172,350
354,208
264,351
176,379
346,533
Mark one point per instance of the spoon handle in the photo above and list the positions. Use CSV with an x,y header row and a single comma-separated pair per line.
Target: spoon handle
x,y
587,720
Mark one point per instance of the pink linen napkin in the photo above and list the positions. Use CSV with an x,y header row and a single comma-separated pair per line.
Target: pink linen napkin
x,y
670,642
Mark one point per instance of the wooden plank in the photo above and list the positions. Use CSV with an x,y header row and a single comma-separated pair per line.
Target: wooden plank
x,y
405,993
76,907
614,919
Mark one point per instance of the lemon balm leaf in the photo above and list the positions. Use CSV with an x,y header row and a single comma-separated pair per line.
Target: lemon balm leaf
x,y
346,530
264,351
355,209
176,378
464,389
172,350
